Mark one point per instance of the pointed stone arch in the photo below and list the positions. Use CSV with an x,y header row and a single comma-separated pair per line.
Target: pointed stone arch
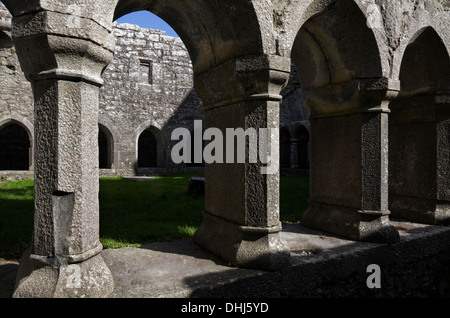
x,y
343,74
106,147
150,149
16,143
63,48
209,43
419,132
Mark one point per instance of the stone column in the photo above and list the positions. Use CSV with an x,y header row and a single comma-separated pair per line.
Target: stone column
x,y
64,65
241,218
419,167
349,153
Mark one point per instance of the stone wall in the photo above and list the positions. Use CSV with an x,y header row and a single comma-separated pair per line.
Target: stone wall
x,y
16,102
148,85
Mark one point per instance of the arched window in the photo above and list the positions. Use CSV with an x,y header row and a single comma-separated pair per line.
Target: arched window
x,y
15,148
147,150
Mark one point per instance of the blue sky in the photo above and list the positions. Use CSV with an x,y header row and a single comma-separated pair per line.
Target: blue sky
x,y
147,19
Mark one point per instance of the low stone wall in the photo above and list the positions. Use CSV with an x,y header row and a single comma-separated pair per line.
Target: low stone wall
x,y
323,266
328,267
15,175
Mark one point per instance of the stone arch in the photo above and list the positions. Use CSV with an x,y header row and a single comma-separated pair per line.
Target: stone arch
x,y
233,70
425,64
293,16
341,50
419,130
16,142
150,149
63,49
209,43
342,71
113,137
428,26
106,147
8,4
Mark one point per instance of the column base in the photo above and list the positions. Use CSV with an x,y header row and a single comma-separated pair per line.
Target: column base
x,y
420,210
366,226
243,246
90,278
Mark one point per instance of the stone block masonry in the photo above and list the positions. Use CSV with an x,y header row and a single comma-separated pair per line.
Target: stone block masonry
x,y
148,85
359,65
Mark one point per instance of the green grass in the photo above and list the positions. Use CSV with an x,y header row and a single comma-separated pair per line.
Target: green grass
x,y
16,217
133,212
294,198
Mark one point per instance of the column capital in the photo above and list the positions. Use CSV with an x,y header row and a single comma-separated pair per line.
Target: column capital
x,y
259,77
351,97
54,45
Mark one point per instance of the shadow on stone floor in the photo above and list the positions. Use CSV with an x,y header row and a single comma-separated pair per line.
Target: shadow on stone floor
x,y
7,279
322,265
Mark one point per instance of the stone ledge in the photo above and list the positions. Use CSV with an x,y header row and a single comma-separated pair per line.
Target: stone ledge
x,y
323,265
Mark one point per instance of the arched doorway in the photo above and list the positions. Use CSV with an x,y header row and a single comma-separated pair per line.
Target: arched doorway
x,y
147,149
15,147
105,147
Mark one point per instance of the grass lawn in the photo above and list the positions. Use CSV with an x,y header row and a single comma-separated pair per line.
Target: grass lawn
x,y
132,212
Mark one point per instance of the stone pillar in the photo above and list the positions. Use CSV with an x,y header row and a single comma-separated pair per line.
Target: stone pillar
x,y
349,167
241,219
419,167
64,65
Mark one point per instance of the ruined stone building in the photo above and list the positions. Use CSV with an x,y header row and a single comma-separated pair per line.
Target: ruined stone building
x,y
373,81
147,93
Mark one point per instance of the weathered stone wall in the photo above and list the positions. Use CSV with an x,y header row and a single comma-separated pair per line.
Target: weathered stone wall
x,y
16,102
17,99
351,55
16,95
149,84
